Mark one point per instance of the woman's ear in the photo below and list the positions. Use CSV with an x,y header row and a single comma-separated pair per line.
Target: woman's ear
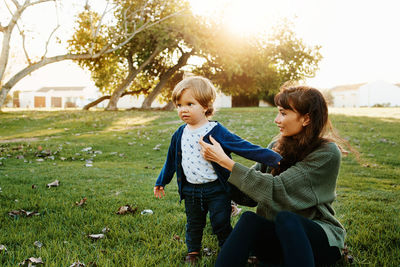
x,y
306,120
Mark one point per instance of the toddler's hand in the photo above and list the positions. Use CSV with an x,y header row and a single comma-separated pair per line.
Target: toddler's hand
x,y
159,191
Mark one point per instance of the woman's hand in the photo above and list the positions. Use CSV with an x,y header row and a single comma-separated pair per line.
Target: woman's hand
x,y
214,152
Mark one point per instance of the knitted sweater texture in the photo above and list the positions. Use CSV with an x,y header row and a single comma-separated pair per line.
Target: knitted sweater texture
x,y
307,188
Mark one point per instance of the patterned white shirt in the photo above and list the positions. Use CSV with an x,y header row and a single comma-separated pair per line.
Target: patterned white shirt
x,y
197,170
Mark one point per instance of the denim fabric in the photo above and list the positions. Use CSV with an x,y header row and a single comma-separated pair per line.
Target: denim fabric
x,y
291,240
199,200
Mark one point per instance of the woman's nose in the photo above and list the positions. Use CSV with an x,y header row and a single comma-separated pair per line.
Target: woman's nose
x,y
277,119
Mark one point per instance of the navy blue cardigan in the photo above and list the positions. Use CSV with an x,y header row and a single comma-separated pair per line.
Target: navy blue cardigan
x,y
229,142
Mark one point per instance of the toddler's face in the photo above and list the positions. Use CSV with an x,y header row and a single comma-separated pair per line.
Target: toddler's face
x,y
190,110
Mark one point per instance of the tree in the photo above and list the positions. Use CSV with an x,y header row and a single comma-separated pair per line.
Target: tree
x,y
108,72
178,39
256,67
95,46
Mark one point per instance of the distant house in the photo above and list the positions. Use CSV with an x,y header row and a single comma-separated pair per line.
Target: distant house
x,y
58,97
377,93
79,96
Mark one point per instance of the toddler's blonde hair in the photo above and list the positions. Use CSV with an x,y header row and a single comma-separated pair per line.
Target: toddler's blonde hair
x,y
202,89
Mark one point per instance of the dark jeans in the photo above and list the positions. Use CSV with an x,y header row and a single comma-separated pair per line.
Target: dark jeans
x,y
199,200
291,240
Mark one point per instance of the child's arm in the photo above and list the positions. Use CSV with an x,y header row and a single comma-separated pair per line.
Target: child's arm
x,y
167,171
233,143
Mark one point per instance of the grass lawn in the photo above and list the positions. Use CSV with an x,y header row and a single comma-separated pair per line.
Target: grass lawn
x,y
113,159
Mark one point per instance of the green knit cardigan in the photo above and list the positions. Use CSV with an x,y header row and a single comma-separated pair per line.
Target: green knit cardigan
x,y
307,188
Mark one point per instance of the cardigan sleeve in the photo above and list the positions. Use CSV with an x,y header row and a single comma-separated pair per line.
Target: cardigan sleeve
x,y
307,183
169,169
233,143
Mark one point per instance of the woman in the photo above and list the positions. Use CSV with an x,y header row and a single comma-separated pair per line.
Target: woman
x,y
294,224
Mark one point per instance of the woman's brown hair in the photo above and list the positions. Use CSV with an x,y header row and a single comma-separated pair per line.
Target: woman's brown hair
x,y
306,101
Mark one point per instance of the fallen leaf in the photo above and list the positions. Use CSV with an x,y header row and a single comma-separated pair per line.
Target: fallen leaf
x,y
53,184
77,264
3,248
208,252
38,244
31,262
96,236
177,238
82,202
86,149
126,209
16,213
146,212
157,147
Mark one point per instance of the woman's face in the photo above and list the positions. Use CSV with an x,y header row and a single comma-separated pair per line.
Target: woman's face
x,y
290,122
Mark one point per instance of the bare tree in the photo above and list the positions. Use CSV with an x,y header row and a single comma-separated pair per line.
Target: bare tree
x,y
115,42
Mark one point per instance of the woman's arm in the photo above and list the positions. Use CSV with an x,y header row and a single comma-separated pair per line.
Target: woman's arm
x,y
303,185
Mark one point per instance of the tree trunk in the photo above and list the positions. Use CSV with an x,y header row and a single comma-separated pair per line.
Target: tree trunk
x,y
169,106
101,99
112,104
244,101
164,78
31,68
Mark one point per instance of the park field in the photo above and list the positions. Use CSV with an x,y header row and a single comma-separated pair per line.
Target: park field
x,y
106,160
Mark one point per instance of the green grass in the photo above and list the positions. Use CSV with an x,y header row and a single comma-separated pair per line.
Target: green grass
x,y
125,171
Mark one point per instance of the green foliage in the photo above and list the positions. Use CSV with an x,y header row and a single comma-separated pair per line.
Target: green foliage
x,y
258,66
125,172
110,70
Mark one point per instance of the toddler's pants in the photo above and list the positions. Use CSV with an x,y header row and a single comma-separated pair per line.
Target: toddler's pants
x,y
199,200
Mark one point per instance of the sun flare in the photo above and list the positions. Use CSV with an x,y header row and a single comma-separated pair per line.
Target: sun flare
x,y
241,17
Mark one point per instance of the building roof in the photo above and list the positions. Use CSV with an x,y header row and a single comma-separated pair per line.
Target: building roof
x,y
347,87
61,88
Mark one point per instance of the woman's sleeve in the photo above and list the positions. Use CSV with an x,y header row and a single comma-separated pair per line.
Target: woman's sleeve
x,y
305,184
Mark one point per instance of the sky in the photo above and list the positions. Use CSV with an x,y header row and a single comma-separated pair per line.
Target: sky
x,y
359,38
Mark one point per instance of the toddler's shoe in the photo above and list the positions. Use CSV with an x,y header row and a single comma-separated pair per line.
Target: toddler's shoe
x,y
192,259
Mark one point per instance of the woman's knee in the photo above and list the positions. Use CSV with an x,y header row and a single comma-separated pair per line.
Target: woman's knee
x,y
286,219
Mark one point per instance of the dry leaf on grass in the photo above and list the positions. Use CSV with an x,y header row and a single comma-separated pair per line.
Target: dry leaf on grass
x,y
126,209
31,262
77,264
16,213
53,184
96,236
208,252
157,147
147,212
38,244
177,238
82,202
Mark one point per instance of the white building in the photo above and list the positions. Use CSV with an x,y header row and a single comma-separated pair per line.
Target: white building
x,y
58,97
366,95
79,96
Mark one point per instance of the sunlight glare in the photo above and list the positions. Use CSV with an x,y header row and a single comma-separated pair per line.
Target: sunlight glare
x,y
241,17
